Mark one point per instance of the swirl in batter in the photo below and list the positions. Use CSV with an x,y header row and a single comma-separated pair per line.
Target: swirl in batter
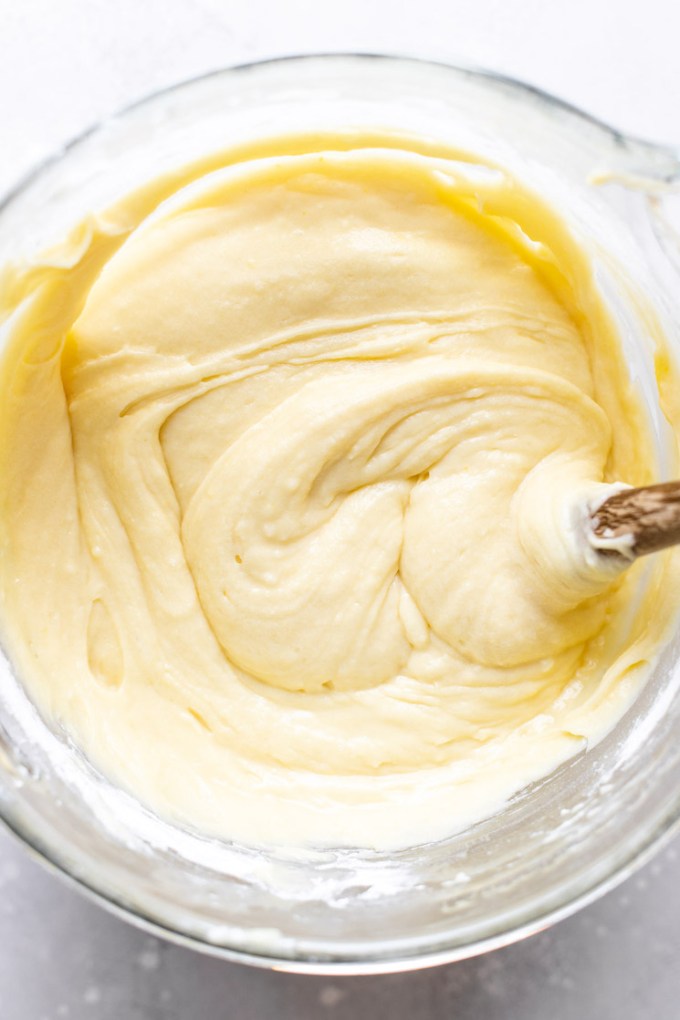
x,y
291,451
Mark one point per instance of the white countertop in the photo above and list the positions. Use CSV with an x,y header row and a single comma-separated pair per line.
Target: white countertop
x,y
67,63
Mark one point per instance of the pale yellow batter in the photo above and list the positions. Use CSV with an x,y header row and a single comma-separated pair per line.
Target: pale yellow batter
x,y
293,446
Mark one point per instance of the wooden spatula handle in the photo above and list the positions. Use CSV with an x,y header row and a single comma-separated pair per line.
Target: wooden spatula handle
x,y
650,515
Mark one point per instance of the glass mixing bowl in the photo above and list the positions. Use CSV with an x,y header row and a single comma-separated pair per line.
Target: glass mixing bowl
x,y
561,843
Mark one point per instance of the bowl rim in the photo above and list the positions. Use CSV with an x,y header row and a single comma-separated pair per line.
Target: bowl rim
x,y
308,963
529,90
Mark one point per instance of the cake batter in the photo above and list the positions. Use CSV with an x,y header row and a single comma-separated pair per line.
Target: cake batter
x,y
293,446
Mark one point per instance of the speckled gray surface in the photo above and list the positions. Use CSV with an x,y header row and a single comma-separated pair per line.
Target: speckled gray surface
x,y
66,64
63,958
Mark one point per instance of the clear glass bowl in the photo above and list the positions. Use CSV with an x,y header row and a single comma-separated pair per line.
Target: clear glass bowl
x,y
556,846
